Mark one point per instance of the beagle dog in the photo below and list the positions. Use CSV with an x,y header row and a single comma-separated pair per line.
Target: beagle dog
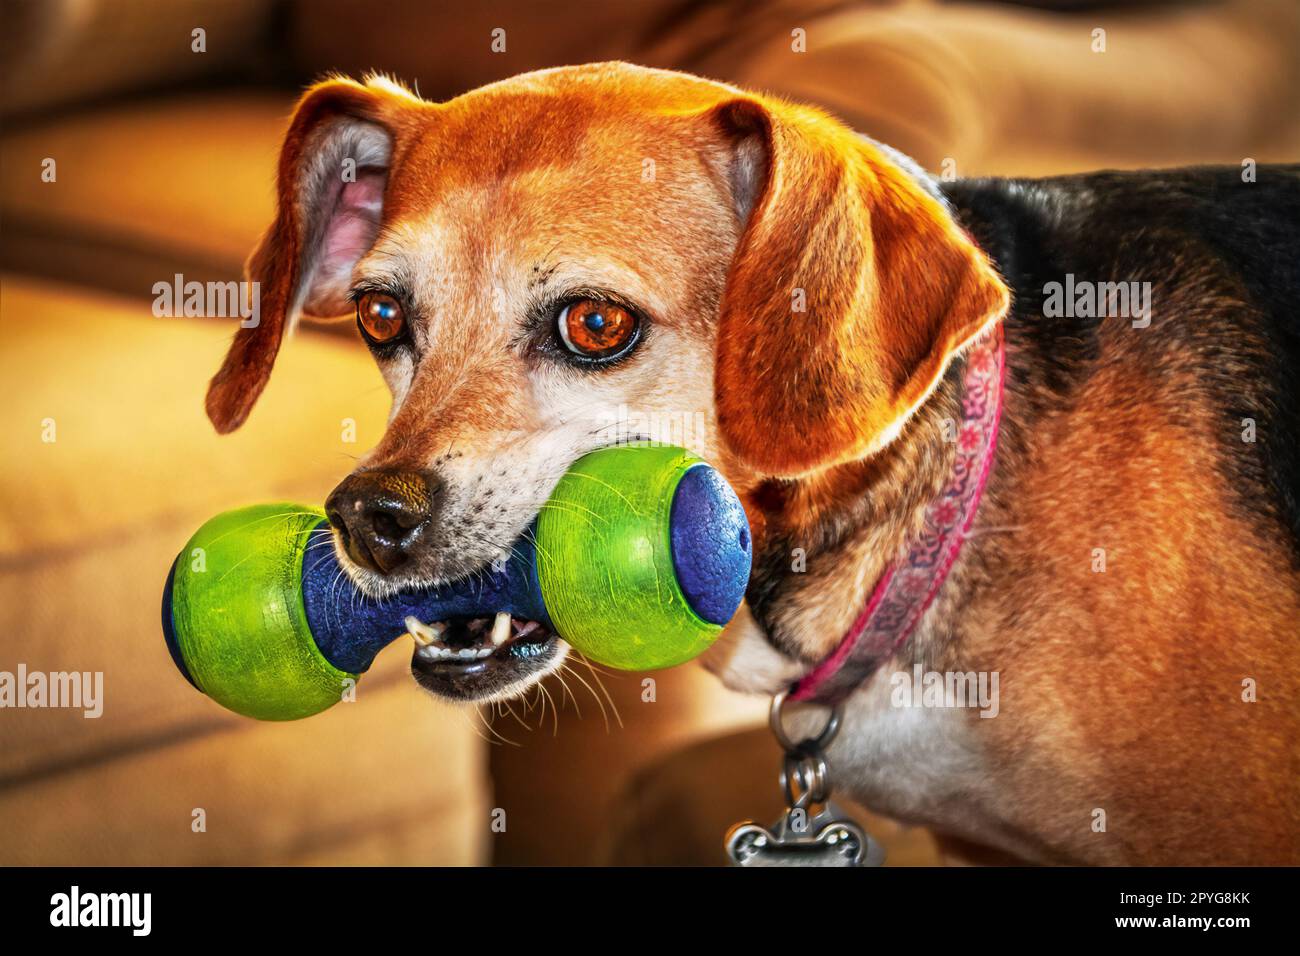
x,y
871,351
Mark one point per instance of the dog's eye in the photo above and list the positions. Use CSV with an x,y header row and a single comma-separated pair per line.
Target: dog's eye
x,y
595,329
380,317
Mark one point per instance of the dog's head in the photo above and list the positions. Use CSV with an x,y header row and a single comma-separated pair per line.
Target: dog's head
x,y
570,258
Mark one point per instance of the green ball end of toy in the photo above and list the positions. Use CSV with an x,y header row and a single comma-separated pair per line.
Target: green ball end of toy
x,y
238,616
605,564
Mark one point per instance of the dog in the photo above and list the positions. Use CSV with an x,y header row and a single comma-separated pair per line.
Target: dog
x,y
530,255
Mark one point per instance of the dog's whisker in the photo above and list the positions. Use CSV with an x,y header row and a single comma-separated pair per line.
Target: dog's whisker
x,y
469,718
603,712
567,693
601,684
491,726
555,713
596,668
511,711
242,529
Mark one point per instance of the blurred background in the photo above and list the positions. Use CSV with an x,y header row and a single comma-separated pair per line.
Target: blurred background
x,y
164,143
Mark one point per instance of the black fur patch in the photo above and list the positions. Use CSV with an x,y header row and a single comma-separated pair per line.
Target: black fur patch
x,y
1223,257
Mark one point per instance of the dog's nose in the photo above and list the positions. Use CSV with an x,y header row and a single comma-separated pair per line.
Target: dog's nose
x,y
382,516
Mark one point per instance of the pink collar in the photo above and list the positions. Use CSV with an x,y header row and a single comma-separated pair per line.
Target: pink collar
x,y
909,584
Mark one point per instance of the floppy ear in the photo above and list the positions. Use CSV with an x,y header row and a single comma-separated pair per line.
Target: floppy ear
x,y
850,291
332,174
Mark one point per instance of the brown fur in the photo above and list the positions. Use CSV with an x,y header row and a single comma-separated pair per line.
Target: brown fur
x,y
897,291
1127,685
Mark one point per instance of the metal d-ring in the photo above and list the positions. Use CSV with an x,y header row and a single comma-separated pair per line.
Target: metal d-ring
x,y
813,831
804,765
810,773
818,743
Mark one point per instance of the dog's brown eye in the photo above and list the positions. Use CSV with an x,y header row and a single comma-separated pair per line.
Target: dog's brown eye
x,y
381,317
595,329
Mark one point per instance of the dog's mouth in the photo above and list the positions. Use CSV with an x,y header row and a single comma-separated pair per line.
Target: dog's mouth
x,y
478,658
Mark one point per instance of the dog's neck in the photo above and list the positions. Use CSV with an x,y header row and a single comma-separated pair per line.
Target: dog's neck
x,y
827,538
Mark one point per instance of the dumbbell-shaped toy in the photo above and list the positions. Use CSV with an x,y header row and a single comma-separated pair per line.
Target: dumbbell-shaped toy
x,y
638,560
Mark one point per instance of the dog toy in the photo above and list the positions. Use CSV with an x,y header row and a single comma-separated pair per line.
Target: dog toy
x,y
638,560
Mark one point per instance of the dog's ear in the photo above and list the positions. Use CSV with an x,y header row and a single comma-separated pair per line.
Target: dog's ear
x,y
850,291
331,180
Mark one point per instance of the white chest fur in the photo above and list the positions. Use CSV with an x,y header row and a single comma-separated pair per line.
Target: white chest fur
x,y
920,764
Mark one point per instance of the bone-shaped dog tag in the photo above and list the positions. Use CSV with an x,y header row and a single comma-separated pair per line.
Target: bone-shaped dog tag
x,y
827,839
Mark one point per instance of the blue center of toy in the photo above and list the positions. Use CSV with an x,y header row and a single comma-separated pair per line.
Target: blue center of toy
x,y
350,628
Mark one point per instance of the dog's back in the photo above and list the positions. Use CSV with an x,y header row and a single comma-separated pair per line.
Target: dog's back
x,y
1215,248
1139,587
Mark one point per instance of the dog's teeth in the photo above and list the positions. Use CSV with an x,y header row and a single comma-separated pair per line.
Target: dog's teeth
x,y
500,628
426,635
415,627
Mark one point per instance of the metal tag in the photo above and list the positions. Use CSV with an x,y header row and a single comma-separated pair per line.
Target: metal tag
x,y
802,838
827,839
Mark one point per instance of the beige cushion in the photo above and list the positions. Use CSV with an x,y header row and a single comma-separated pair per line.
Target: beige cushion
x,y
447,53
144,189
134,448
89,524
54,52
1003,90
